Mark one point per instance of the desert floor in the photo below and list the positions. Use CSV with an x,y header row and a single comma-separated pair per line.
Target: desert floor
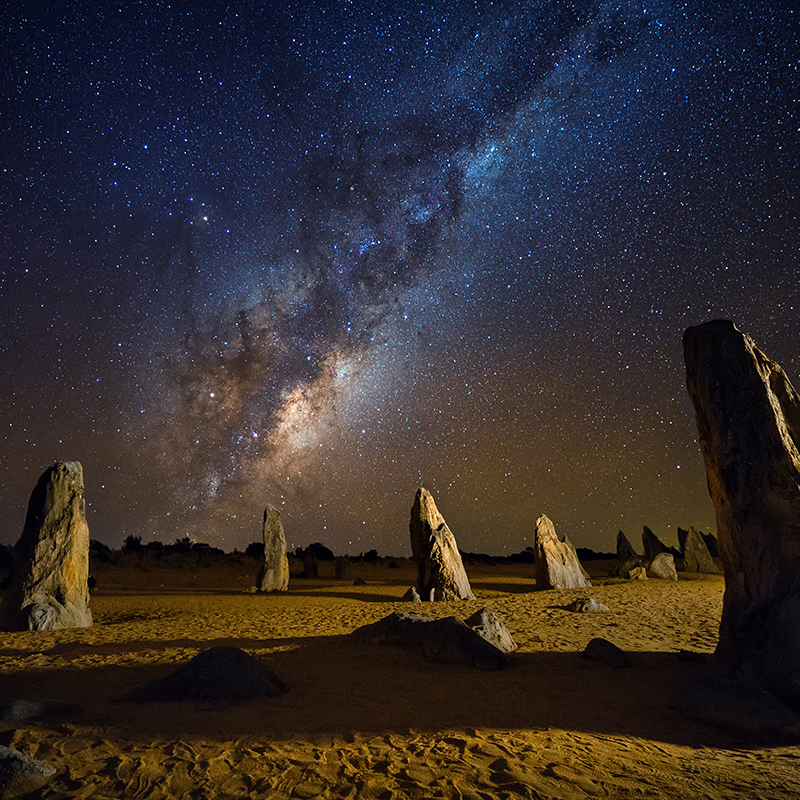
x,y
377,721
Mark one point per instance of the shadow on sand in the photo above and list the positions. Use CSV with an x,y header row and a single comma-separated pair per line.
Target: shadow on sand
x,y
339,686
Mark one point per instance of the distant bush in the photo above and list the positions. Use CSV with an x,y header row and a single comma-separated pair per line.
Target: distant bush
x,y
256,550
132,544
371,556
99,551
321,553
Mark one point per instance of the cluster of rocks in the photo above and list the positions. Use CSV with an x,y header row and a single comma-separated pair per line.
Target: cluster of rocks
x,y
659,561
481,641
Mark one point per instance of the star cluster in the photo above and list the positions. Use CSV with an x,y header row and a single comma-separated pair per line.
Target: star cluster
x,y
318,254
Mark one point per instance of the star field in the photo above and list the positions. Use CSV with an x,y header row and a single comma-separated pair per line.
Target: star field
x,y
319,254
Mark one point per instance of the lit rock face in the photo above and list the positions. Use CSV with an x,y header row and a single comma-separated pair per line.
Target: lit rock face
x,y
662,566
274,575
696,555
555,560
748,421
440,571
50,586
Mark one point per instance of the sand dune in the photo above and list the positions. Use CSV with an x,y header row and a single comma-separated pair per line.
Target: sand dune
x,y
374,721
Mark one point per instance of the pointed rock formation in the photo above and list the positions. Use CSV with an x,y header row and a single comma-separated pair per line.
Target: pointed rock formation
x,y
625,551
274,576
555,560
652,544
696,557
440,571
50,586
748,421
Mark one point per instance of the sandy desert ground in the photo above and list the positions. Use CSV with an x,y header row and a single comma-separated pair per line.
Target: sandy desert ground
x,y
377,721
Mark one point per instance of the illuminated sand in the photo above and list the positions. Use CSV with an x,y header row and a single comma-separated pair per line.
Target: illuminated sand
x,y
379,722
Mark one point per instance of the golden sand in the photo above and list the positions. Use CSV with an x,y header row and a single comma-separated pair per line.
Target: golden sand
x,y
365,721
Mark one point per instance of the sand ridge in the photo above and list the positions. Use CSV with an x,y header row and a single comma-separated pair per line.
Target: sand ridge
x,y
376,721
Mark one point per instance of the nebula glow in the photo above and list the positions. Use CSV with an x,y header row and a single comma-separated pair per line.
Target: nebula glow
x,y
316,255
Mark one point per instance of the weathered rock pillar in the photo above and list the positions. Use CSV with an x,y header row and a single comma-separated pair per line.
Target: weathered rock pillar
x,y
50,586
274,575
440,571
748,421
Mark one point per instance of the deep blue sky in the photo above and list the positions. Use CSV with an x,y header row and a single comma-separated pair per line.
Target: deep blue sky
x,y
315,255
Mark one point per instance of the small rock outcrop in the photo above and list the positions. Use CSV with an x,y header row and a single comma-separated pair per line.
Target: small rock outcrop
x,y
49,589
490,627
585,605
748,421
220,673
653,546
663,566
21,775
600,649
274,576
696,556
555,560
445,641
440,571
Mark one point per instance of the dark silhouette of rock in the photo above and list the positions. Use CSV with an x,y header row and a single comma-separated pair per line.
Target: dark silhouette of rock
x,y
440,571
696,557
489,626
748,421
446,641
712,544
219,673
274,576
556,564
630,562
602,650
49,589
652,544
662,566
625,551
20,775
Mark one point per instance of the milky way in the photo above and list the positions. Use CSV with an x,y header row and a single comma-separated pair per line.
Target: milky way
x,y
319,255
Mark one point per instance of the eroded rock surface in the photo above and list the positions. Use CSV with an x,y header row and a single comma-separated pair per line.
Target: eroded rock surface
x,y
49,589
555,560
440,570
696,556
274,575
748,421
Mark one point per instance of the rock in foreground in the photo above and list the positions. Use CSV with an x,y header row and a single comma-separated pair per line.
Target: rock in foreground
x,y
748,421
20,775
49,589
447,641
219,673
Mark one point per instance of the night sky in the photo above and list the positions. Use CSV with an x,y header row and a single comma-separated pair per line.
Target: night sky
x,y
319,254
